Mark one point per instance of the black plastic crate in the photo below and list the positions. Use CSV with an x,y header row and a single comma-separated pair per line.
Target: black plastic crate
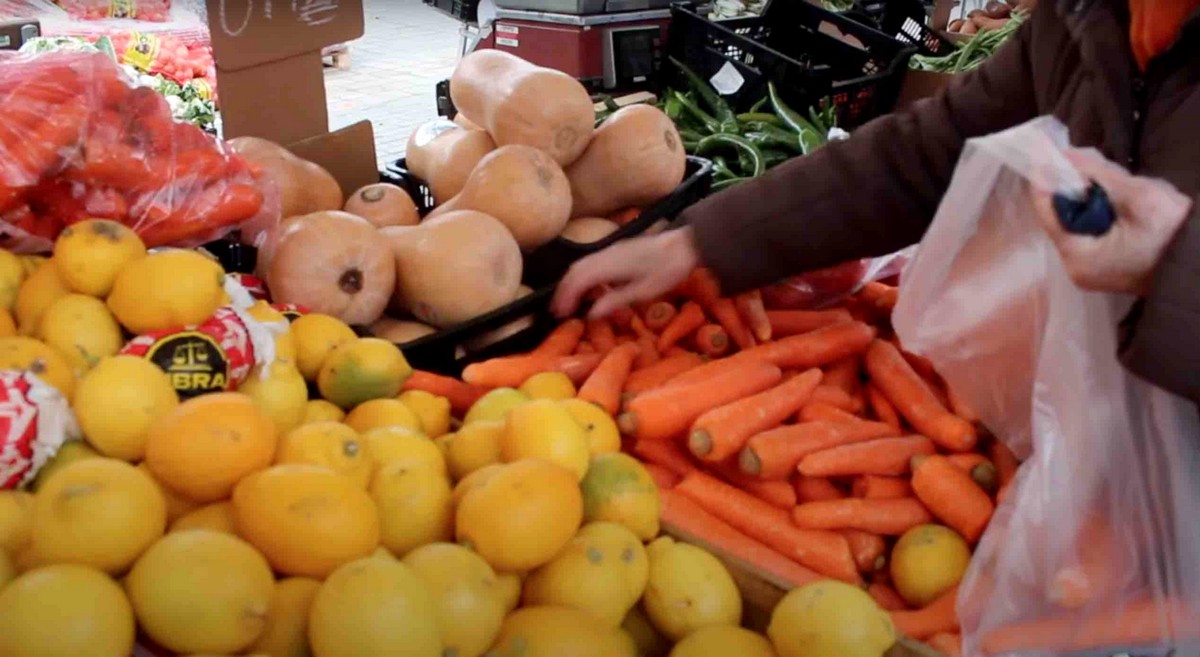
x,y
397,173
787,45
466,11
445,106
907,20
543,269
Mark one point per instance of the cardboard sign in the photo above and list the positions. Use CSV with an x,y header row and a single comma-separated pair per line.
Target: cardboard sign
x,y
251,32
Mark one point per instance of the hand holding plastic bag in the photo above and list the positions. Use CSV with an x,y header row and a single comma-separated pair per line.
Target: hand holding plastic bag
x,y
1097,545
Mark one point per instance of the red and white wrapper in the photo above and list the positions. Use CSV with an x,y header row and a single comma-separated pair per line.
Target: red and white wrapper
x,y
290,310
35,420
253,285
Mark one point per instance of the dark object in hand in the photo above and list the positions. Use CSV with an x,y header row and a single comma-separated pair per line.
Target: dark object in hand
x,y
1094,215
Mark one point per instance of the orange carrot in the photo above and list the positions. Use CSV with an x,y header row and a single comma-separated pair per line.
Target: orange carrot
x,y
844,375
1128,623
675,351
711,340
966,462
935,618
952,496
647,352
825,552
701,286
663,477
882,408
815,489
639,328
563,339
584,347
868,549
653,376
621,318
880,296
776,493
876,487
711,370
689,319
670,411
817,348
835,397
886,456
1005,461
913,398
726,314
603,387
786,323
886,597
600,334
774,454
622,217
821,411
664,453
723,431
682,515
885,517
512,371
658,315
461,395
948,643
750,306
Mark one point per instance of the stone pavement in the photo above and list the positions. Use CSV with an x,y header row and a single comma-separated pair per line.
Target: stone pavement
x,y
407,49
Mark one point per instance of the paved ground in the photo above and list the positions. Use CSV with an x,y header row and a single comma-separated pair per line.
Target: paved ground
x,y
407,49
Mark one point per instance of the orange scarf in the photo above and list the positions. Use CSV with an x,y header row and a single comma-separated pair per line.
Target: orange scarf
x,y
1155,24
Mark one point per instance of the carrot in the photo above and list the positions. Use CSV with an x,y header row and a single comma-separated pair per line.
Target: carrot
x,y
817,348
966,462
886,597
711,340
600,333
639,328
603,387
662,476
711,370
723,431
675,351
750,306
936,617
701,286
786,323
726,314
563,339
825,552
584,347
879,296
689,319
774,454
835,397
653,376
822,411
948,643
461,395
622,217
868,549
1005,461
815,489
512,371
1129,623
952,496
664,453
886,456
683,515
776,493
658,315
621,318
913,398
844,375
647,352
670,411
876,487
882,408
885,517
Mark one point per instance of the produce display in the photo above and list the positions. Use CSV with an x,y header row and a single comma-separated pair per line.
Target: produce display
x,y
990,28
95,10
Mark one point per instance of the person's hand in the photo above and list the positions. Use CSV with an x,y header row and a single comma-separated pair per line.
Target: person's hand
x,y
1149,213
628,272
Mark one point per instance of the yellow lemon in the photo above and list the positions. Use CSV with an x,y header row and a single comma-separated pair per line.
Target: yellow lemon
x,y
927,561
8,325
118,401
286,633
29,355
549,385
361,370
383,413
319,410
329,444
8,569
97,512
65,610
68,453
415,507
16,520
466,593
433,411
167,289
475,480
279,392
723,640
621,644
495,405
201,590
509,589
388,445
277,322
551,632
618,488
177,505
216,517
829,619
374,606
688,589
41,288
603,436
472,447
602,571
91,253
12,274
544,429
31,262
649,641
315,336
82,329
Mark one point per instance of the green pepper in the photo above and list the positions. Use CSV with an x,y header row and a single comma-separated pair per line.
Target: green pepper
x,y
690,135
765,140
810,138
758,106
746,150
721,170
689,147
817,121
672,108
773,157
760,117
779,136
720,108
710,124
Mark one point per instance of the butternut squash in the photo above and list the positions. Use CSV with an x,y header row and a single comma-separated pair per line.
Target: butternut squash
x,y
304,187
587,230
454,267
400,331
333,263
384,204
443,154
481,342
635,158
465,123
523,188
520,103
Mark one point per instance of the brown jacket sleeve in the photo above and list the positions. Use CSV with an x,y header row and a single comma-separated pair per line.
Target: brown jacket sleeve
x,y
870,195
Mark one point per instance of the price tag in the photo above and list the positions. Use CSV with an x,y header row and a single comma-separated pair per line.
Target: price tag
x,y
727,81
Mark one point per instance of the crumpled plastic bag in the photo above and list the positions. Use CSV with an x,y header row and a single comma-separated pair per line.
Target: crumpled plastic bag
x,y
826,287
1096,546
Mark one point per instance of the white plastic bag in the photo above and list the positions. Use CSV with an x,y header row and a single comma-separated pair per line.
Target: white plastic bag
x,y
1096,546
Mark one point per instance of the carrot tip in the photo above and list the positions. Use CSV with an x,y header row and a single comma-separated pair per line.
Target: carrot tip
x,y
986,476
749,462
916,461
700,443
627,423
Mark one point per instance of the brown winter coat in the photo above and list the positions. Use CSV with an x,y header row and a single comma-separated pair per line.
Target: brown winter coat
x,y
878,191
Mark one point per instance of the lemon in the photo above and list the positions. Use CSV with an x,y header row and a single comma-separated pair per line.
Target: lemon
x,y
68,453
41,288
649,641
330,444
118,400
603,436
602,571
279,392
177,505
8,569
723,640
548,385
472,447
91,253
384,413
388,445
286,633
30,263
467,595
689,589
830,619
12,274
167,289
361,370
319,410
509,585
544,429
16,520
927,561
82,329
433,411
65,610
618,488
315,335
495,405
217,517
8,325
551,632
415,507
40,359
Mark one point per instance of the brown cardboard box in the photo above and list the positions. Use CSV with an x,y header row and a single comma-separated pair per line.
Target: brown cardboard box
x,y
271,82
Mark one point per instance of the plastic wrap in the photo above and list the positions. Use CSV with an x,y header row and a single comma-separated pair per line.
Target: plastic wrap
x,y
826,287
1096,546
79,141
